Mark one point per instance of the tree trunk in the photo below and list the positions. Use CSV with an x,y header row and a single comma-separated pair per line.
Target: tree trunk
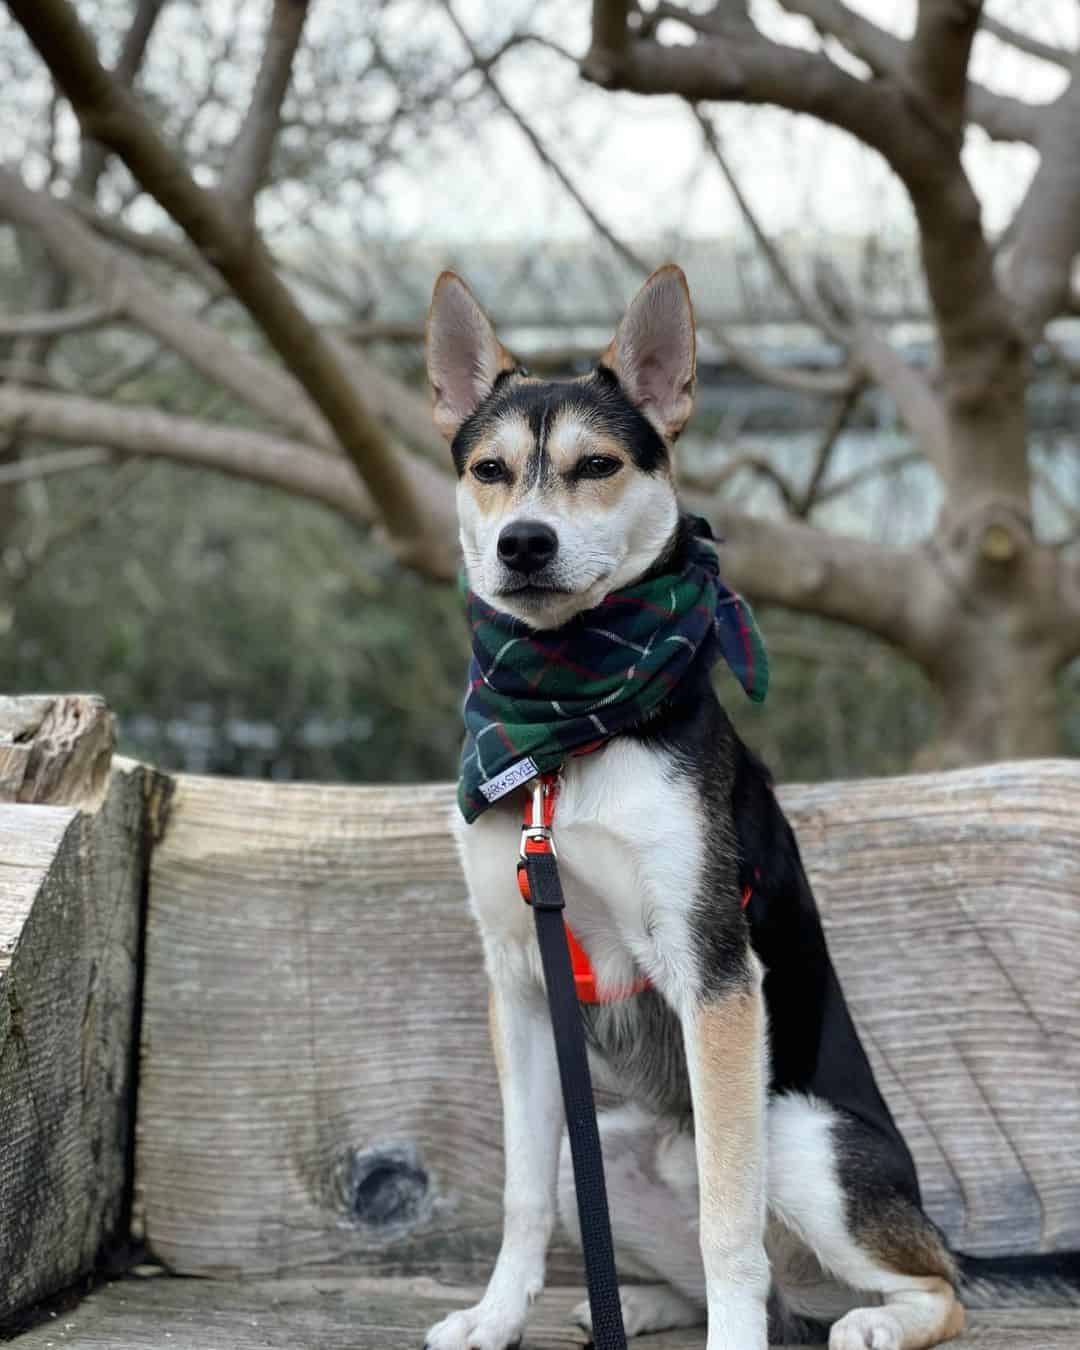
x,y
992,642
998,702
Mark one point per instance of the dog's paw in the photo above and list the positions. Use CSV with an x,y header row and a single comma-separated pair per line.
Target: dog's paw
x,y
479,1328
866,1329
645,1308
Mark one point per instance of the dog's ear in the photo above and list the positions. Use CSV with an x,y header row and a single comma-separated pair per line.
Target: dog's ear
x,y
653,351
464,357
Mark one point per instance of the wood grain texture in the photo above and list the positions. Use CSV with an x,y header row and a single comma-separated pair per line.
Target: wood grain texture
x,y
339,1312
71,893
55,749
317,1078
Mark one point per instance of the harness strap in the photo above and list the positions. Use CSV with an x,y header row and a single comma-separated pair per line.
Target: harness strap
x,y
535,840
544,891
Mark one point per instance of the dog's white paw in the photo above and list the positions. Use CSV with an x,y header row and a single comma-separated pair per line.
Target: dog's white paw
x,y
866,1329
479,1328
647,1307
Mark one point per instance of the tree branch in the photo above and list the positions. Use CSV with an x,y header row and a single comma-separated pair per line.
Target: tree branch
x,y
920,408
938,57
250,455
1031,46
550,163
154,247
811,494
122,287
93,155
107,111
825,383
797,381
839,487
1002,117
813,312
759,465
56,322
609,36
1048,227
803,568
249,159
33,467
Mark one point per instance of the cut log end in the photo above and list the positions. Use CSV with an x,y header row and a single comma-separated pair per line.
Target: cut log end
x,y
55,750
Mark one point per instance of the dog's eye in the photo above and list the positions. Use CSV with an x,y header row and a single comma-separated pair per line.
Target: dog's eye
x,y
598,466
489,470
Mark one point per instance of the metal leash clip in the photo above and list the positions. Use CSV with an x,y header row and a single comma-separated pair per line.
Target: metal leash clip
x,y
535,828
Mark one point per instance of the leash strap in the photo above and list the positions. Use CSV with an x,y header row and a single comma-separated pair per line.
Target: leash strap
x,y
545,894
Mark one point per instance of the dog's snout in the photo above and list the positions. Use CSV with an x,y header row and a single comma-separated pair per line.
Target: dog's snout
x,y
527,545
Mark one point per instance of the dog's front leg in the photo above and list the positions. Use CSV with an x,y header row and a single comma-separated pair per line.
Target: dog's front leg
x,y
725,1049
532,1125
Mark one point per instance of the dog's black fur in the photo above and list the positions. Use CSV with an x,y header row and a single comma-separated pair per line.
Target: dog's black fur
x,y
600,397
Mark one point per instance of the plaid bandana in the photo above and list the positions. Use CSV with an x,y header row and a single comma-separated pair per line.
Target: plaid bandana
x,y
535,696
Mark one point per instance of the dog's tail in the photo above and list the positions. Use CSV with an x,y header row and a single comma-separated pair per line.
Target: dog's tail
x,y
1048,1280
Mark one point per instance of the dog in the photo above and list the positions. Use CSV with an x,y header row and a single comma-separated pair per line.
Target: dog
x,y
756,1178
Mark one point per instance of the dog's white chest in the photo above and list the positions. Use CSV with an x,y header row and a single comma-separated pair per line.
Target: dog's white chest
x,y
628,833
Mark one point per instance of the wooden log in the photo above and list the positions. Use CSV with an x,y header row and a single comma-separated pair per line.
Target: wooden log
x,y
341,1311
317,1078
55,749
72,892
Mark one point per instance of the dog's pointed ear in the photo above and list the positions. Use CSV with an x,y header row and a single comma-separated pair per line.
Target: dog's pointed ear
x,y
653,352
464,357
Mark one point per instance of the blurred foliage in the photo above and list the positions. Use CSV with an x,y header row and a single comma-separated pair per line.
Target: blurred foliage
x,y
236,631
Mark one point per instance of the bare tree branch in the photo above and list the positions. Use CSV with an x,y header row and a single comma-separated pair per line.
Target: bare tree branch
x,y
938,57
811,494
155,247
838,577
609,37
107,111
251,455
124,288
1048,228
1002,117
249,159
759,465
800,381
93,154
983,352
541,151
917,403
881,468
803,299
32,353
1023,42
56,322
32,467
825,383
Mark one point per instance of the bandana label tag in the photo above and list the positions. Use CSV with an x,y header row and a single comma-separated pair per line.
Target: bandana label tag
x,y
509,779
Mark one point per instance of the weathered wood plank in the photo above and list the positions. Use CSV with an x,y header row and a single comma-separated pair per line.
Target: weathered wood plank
x,y
71,894
318,1082
55,749
339,1312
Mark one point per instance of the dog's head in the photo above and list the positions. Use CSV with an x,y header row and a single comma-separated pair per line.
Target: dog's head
x,y
565,488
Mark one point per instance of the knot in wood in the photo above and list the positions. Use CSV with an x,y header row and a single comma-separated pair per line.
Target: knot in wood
x,y
385,1189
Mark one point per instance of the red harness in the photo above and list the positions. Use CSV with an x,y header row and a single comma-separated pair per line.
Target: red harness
x,y
536,838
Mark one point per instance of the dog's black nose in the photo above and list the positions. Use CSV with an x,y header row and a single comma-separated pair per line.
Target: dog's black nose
x,y
528,545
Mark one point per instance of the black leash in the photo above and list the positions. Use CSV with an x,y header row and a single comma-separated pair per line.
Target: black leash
x,y
544,893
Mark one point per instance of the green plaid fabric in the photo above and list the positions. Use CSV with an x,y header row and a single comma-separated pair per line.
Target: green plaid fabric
x,y
536,696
